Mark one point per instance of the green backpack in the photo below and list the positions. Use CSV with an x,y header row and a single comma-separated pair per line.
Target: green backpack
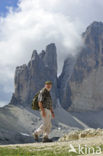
x,y
35,105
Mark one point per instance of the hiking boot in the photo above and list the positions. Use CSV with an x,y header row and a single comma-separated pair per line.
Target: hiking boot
x,y
46,139
36,137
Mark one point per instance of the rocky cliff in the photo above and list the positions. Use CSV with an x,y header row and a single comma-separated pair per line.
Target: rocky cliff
x,y
85,86
30,78
64,91
80,85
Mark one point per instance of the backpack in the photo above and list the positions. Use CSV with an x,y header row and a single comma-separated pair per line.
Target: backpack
x,y
35,105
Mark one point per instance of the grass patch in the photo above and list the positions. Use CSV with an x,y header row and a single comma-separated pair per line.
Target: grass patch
x,y
19,151
37,151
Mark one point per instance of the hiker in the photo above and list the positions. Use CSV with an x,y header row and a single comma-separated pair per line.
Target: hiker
x,y
46,111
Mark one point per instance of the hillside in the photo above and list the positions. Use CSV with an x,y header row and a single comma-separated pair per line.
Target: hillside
x,y
18,123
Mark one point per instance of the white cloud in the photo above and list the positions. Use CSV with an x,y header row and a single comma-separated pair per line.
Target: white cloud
x,y
3,103
35,24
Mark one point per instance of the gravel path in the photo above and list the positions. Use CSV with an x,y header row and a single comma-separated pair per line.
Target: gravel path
x,y
88,141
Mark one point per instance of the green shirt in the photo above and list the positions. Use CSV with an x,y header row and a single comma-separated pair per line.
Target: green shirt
x,y
45,97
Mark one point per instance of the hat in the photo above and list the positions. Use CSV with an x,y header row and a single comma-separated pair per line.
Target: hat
x,y
48,82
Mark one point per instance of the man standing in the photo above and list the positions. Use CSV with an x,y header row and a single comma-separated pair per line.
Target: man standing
x,y
46,111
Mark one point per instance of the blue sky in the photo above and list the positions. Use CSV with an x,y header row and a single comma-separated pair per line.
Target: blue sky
x,y
7,3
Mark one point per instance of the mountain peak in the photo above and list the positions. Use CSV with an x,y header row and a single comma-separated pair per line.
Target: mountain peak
x,y
50,58
30,78
96,24
51,47
94,27
34,54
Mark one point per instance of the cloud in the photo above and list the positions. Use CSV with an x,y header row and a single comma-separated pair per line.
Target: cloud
x,y
3,103
36,23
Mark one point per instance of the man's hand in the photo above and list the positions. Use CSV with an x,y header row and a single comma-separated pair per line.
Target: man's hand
x,y
53,115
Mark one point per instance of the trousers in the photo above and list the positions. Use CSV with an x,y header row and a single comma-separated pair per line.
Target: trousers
x,y
46,125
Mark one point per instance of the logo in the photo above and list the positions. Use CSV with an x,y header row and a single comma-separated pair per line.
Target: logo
x,y
85,149
72,149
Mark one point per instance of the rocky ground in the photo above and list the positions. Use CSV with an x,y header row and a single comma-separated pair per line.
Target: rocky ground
x,y
17,124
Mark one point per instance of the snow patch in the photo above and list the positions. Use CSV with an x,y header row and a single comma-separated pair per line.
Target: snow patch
x,y
25,134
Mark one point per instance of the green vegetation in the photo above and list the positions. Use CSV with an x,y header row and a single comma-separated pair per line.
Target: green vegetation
x,y
38,151
20,151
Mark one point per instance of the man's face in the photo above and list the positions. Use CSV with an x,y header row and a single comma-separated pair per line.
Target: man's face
x,y
48,86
